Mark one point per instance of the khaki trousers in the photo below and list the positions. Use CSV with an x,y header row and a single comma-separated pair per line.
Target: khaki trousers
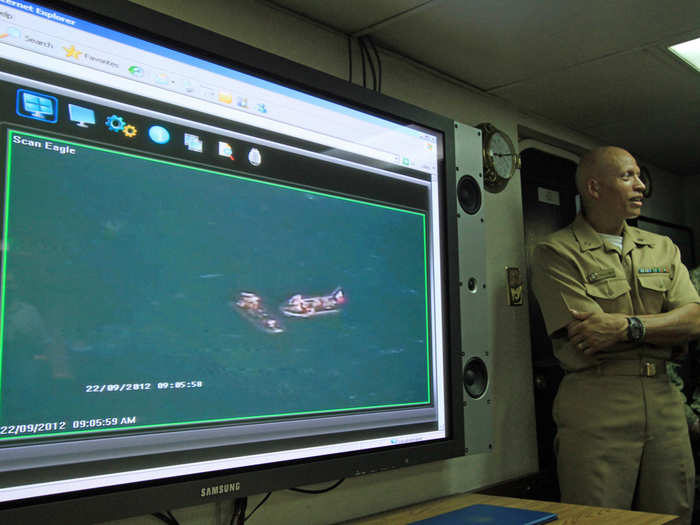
x,y
622,442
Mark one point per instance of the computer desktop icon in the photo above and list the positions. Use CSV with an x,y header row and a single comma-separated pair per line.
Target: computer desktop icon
x,y
194,143
159,134
82,117
37,106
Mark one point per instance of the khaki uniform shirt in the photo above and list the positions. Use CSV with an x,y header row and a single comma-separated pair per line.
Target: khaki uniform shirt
x,y
575,268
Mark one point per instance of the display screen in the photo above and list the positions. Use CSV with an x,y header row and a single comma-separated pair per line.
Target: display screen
x,y
204,271
123,305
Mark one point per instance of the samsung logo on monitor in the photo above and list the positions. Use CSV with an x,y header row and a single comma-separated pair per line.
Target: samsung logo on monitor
x,y
217,490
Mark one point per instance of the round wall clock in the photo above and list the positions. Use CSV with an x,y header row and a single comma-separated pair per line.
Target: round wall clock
x,y
645,177
499,157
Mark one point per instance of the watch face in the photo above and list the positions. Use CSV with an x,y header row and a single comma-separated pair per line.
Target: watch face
x,y
635,330
502,154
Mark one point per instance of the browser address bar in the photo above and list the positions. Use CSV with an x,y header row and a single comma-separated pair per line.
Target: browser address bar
x,y
125,84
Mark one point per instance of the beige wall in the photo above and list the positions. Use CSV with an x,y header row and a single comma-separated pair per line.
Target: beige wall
x,y
514,451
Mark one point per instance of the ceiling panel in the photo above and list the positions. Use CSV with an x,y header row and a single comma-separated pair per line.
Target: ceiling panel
x,y
671,146
633,95
350,17
494,43
619,87
598,67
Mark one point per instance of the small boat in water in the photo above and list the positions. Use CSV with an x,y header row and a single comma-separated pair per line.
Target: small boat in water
x,y
312,306
250,306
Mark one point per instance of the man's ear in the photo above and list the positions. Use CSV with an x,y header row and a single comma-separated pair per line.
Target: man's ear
x,y
593,188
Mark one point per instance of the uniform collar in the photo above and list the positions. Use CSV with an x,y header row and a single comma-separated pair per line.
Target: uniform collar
x,y
634,237
589,239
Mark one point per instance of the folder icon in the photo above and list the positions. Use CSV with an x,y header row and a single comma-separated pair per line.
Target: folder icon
x,y
225,97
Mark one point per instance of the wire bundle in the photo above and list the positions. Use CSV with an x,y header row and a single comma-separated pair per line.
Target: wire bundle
x,y
370,61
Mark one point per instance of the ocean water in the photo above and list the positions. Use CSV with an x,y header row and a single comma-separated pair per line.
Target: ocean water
x,y
125,275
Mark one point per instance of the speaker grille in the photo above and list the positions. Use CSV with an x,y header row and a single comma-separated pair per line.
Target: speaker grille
x,y
476,377
469,194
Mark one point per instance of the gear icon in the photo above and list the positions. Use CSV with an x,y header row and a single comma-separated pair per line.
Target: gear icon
x,y
115,123
130,131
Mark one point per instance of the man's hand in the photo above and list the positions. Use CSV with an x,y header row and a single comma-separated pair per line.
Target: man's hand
x,y
592,332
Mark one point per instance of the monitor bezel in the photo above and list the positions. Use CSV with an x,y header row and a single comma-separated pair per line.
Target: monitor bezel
x,y
145,497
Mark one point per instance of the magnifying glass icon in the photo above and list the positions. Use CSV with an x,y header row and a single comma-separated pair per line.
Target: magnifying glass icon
x,y
225,150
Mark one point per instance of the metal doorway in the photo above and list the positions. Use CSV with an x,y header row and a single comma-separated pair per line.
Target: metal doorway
x,y
549,203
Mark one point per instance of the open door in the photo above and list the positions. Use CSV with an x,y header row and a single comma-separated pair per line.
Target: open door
x,y
549,203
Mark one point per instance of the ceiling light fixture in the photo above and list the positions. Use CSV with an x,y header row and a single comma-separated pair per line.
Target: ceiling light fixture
x,y
689,52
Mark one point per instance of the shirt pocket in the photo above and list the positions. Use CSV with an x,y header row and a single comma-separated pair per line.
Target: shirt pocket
x,y
652,291
611,294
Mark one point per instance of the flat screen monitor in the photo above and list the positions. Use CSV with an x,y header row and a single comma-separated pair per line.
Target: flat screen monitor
x,y
222,273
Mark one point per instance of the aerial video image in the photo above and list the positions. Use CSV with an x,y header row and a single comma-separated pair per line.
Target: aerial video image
x,y
139,292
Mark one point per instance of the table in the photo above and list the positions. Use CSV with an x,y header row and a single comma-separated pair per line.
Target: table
x,y
568,513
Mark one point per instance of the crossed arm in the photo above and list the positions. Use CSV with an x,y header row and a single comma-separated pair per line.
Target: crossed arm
x,y
592,332
563,297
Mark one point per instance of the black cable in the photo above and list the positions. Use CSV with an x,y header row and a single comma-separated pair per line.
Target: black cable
x,y
365,52
162,517
349,61
362,56
379,65
366,57
166,518
238,514
258,506
319,491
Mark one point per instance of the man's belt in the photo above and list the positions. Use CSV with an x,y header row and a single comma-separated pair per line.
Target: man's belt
x,y
643,367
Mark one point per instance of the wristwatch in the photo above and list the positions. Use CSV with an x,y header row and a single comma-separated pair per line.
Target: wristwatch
x,y
635,329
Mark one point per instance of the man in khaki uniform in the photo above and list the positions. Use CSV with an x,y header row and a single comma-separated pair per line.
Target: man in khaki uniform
x,y
616,300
